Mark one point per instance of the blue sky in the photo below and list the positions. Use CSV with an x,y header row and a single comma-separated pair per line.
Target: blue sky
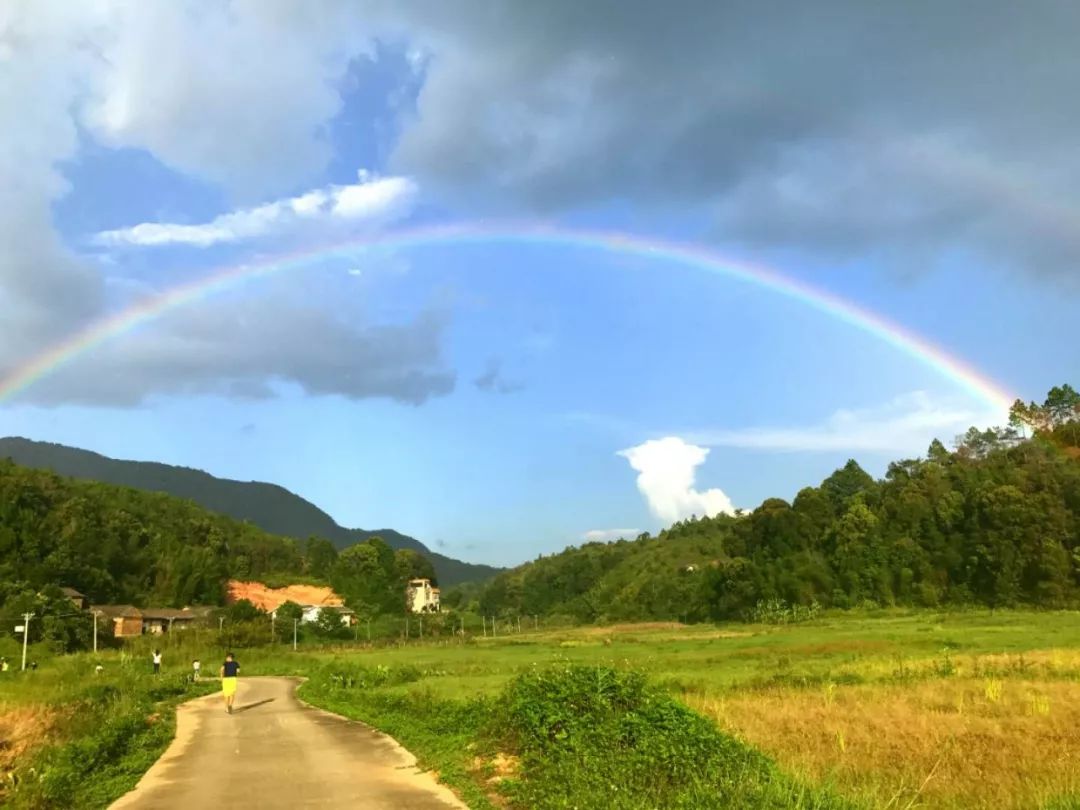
x,y
502,400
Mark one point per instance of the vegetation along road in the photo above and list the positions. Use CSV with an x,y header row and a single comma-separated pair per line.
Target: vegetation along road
x,y
274,751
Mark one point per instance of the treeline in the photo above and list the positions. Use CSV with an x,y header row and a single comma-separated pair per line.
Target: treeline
x,y
121,545
994,522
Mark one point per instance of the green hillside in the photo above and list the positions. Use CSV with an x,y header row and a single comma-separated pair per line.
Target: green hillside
x,y
995,522
119,545
270,507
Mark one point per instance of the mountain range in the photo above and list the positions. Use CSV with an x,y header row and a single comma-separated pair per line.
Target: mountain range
x,y
268,506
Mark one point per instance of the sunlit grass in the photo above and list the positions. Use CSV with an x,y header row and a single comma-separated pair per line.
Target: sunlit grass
x,y
896,709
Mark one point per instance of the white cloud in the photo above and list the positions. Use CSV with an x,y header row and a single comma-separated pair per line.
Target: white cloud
x,y
609,535
236,93
905,425
370,202
666,470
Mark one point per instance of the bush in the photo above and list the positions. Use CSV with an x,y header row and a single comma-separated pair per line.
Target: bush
x,y
597,737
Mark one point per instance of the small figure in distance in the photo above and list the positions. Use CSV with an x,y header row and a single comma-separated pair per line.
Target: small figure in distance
x,y
3,665
157,661
229,670
99,669
196,670
33,665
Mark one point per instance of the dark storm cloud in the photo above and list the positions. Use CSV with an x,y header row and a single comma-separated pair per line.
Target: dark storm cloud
x,y
835,126
493,381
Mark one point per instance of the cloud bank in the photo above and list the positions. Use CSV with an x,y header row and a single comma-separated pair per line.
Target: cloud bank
x,y
666,472
905,425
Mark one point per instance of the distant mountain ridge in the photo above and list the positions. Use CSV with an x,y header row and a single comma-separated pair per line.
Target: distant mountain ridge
x,y
268,506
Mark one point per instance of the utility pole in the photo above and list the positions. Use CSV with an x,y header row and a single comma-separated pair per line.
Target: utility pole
x,y
493,632
369,628
295,622
484,618
273,627
95,613
25,636
421,620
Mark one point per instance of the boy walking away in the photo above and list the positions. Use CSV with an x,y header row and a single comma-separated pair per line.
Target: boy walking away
x,y
196,670
229,670
157,661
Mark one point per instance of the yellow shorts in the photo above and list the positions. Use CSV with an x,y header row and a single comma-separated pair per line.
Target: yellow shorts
x,y
228,686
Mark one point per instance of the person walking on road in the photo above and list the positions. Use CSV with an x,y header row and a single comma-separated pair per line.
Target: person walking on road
x,y
157,662
196,670
229,670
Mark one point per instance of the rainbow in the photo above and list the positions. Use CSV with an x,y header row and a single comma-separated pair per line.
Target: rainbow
x,y
690,255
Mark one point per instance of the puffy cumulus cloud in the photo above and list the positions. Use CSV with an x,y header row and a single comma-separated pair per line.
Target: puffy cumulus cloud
x,y
248,347
839,126
370,203
666,471
905,425
609,535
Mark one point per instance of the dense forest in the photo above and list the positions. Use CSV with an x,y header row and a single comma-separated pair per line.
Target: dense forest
x,y
121,545
994,522
274,509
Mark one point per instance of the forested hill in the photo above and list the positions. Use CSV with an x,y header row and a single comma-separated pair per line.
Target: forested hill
x,y
120,545
124,546
270,507
994,522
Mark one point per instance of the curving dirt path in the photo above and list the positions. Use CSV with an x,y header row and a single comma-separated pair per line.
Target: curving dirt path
x,y
276,752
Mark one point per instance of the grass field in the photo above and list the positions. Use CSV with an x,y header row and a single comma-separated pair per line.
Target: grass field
x,y
896,709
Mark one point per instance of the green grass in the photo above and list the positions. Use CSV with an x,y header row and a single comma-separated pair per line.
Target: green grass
x,y
458,703
112,729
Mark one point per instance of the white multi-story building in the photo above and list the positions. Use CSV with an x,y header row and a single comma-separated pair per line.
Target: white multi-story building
x,y
421,596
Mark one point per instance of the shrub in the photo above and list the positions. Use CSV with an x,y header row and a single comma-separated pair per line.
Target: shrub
x,y
597,737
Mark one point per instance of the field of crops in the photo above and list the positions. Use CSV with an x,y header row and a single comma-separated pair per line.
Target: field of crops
x,y
894,709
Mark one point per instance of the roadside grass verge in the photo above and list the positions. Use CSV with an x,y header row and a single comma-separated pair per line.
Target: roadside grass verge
x,y
111,731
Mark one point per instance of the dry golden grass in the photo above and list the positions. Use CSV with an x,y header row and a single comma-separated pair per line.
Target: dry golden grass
x,y
855,646
951,742
22,728
631,628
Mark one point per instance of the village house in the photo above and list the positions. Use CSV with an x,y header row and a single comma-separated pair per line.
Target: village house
x,y
156,621
78,599
126,620
421,596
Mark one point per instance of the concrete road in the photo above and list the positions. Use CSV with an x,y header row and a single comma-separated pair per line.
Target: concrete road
x,y
275,752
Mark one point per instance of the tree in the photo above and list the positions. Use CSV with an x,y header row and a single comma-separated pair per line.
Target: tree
x,y
243,610
410,564
319,557
847,482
